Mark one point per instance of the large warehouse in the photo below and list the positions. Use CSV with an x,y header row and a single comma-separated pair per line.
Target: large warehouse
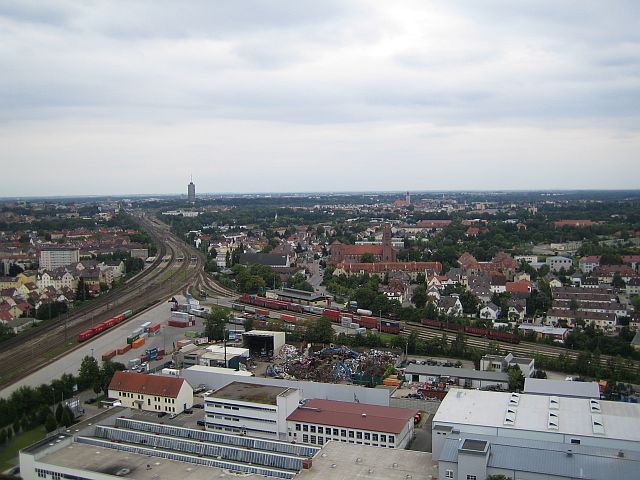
x,y
572,421
263,343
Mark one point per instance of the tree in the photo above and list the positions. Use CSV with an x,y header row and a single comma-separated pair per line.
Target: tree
x,y
107,371
3,437
248,324
59,412
67,417
516,379
50,423
9,433
89,372
419,297
367,258
618,281
469,302
15,269
82,290
431,312
214,326
321,331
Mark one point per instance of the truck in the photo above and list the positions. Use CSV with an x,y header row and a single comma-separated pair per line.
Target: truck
x,y
145,326
133,363
152,353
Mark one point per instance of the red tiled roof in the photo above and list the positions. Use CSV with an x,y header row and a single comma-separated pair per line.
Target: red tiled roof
x,y
360,249
433,223
522,286
381,267
575,223
148,384
590,259
354,415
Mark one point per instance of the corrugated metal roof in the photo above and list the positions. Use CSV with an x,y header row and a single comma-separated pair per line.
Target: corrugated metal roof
x,y
551,458
561,388
455,372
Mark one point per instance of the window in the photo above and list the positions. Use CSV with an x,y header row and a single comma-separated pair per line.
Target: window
x,y
575,441
343,433
313,439
305,428
383,438
320,440
298,427
471,477
305,438
448,474
350,433
367,436
335,432
313,429
320,430
374,437
359,435
392,439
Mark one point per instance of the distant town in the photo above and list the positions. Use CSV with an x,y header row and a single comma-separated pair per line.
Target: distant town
x,y
408,335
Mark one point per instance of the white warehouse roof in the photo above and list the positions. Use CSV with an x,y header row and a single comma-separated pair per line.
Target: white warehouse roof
x,y
562,388
540,413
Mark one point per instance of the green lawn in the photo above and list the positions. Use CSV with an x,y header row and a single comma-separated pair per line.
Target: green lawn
x,y
9,453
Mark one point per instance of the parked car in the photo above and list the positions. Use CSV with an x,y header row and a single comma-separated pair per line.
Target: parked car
x,y
90,401
198,405
188,411
201,423
162,414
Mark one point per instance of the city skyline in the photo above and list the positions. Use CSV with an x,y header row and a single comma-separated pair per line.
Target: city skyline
x,y
338,96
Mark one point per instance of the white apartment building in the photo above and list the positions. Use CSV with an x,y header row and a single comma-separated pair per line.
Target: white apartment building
x,y
55,257
153,393
250,409
319,421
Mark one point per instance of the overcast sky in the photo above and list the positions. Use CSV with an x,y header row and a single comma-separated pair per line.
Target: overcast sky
x,y
248,96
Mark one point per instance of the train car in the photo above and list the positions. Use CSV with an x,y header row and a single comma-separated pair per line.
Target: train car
x,y
387,326
503,336
481,332
362,311
333,315
285,317
432,323
262,312
237,306
368,322
87,334
127,313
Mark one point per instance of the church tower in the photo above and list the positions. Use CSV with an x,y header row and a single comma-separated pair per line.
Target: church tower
x,y
388,253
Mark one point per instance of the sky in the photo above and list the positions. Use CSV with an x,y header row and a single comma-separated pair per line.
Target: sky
x,y
116,98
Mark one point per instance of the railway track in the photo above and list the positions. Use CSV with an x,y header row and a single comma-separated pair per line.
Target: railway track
x,y
27,353
521,349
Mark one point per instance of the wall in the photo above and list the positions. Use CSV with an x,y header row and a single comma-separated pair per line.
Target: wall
x,y
328,391
428,406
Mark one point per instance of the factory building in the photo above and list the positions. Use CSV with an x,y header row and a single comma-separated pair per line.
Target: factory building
x,y
250,409
263,343
319,421
461,377
548,418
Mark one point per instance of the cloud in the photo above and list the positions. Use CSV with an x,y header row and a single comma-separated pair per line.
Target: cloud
x,y
388,82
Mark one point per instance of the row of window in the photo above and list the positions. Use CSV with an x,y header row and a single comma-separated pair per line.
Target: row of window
x,y
449,474
318,440
241,417
219,404
141,397
345,433
56,475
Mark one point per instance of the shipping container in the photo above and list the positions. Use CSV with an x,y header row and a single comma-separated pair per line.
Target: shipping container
x,y
285,317
152,353
182,343
132,338
145,326
154,328
178,323
137,343
191,334
127,313
333,315
109,355
368,322
124,349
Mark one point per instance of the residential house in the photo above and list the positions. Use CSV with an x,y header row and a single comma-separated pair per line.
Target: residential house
x,y
589,263
558,264
154,393
490,312
450,305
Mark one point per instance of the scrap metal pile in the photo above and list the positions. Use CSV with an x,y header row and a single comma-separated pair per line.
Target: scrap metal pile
x,y
331,365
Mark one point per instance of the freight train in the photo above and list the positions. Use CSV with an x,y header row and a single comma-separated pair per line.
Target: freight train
x,y
480,332
101,327
334,314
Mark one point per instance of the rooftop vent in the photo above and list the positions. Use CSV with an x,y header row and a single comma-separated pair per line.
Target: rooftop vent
x,y
510,416
597,425
569,453
595,406
514,399
554,403
364,414
620,454
553,421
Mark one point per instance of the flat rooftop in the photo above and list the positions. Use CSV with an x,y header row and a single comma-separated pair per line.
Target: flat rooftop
x,y
563,388
249,392
339,460
455,372
109,461
574,416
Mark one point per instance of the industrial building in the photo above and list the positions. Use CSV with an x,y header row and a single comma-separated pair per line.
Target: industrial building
x,y
561,388
319,421
211,356
301,297
56,257
550,418
263,343
472,456
462,377
155,393
113,445
249,409
499,363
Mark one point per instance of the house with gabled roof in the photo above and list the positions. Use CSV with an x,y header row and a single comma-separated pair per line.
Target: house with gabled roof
x,y
154,393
